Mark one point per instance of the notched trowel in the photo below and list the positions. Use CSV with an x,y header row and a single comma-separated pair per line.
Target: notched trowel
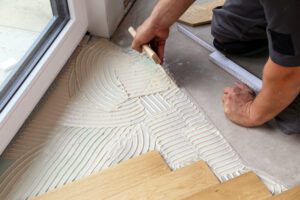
x,y
146,48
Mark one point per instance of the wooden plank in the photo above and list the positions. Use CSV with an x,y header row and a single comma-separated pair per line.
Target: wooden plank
x,y
244,187
173,186
292,194
112,180
198,14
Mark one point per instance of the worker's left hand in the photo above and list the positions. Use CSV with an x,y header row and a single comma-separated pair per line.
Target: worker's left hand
x,y
237,101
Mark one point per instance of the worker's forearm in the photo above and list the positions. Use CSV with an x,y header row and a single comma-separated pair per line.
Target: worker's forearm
x,y
166,12
281,85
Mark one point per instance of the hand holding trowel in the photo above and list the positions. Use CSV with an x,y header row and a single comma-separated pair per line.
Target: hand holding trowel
x,y
146,48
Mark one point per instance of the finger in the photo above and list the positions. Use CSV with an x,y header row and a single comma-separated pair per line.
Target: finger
x,y
137,45
224,99
246,88
228,90
161,51
243,86
226,109
237,83
226,105
236,89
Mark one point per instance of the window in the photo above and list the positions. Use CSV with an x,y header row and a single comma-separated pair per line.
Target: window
x,y
27,29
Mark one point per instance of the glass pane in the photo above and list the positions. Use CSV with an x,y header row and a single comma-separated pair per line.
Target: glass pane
x,y
27,29
21,23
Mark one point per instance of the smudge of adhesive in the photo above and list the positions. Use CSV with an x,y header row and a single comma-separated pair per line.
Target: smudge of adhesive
x,y
105,107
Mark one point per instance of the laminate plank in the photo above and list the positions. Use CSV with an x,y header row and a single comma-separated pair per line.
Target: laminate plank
x,y
244,187
198,14
112,180
173,186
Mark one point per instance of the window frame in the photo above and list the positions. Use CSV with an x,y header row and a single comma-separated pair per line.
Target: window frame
x,y
24,67
38,81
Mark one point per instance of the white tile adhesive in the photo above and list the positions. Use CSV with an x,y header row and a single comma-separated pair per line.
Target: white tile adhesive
x,y
105,107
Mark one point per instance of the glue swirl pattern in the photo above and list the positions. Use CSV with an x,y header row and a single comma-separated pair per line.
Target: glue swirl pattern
x,y
105,107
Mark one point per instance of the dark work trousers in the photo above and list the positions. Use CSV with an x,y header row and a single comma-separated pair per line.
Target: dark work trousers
x,y
254,20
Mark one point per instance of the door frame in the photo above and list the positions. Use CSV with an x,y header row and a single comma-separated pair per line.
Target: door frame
x,y
36,84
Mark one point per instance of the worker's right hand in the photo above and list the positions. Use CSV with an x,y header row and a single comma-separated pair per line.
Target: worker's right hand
x,y
149,33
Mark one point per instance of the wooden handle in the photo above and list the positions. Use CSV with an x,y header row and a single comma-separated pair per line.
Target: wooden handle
x,y
146,48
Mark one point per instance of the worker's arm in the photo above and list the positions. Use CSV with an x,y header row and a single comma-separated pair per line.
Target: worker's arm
x,y
155,30
281,85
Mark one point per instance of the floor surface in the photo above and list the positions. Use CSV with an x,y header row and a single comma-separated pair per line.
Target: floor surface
x,y
264,148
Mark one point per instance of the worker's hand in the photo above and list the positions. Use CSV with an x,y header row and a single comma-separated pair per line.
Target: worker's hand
x,y
237,101
148,33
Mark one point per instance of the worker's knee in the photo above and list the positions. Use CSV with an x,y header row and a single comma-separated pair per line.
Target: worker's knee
x,y
218,30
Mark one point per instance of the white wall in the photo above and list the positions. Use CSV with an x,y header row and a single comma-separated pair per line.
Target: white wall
x,y
104,16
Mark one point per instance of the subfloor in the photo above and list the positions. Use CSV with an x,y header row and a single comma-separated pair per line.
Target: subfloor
x,y
108,105
264,148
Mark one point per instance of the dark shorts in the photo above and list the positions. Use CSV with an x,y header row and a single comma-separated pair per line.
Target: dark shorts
x,y
274,20
242,22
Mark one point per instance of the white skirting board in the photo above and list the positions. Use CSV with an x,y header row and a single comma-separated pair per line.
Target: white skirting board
x,y
198,40
225,63
235,70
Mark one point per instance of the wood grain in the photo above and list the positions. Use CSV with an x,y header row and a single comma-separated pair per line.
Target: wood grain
x,y
173,186
244,187
199,14
292,194
113,180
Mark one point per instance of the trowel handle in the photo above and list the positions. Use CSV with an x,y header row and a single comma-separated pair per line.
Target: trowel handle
x,y
132,31
146,48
